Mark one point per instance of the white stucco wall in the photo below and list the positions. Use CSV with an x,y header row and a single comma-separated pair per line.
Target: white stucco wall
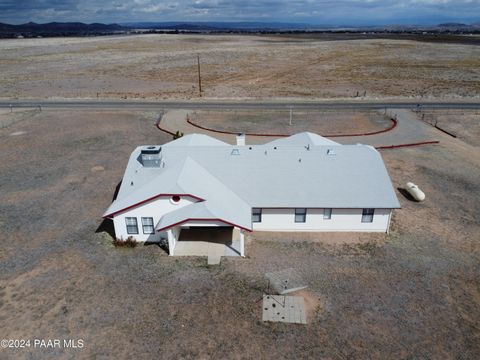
x,y
272,220
173,234
342,220
156,209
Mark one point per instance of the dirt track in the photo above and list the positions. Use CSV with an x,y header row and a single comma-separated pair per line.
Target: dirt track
x,y
409,128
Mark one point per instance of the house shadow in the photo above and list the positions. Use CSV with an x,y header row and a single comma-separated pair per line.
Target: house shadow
x,y
107,224
406,194
117,189
162,244
235,251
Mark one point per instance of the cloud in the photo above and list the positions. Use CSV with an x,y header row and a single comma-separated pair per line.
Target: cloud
x,y
311,11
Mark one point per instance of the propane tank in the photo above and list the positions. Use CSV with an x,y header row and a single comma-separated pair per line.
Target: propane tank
x,y
416,193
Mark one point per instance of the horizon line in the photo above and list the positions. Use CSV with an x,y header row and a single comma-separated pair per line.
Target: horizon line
x,y
304,24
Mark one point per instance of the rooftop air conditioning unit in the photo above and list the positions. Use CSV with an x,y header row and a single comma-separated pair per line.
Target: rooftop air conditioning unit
x,y
151,156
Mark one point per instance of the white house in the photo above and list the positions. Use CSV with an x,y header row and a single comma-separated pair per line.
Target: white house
x,y
300,183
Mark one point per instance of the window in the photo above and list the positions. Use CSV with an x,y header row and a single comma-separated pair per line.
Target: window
x,y
327,214
256,215
132,227
367,215
147,225
300,215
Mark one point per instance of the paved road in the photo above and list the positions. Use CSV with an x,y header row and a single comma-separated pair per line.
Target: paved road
x,y
208,104
409,130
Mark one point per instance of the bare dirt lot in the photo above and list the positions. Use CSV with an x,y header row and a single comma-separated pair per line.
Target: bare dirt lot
x,y
278,121
461,123
411,294
164,67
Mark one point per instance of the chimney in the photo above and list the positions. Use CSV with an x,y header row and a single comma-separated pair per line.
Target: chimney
x,y
151,156
241,139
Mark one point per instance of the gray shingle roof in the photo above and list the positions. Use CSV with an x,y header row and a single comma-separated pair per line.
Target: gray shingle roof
x,y
304,138
285,173
195,140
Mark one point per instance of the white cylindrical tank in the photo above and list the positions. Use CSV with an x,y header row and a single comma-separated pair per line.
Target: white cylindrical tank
x,y
416,193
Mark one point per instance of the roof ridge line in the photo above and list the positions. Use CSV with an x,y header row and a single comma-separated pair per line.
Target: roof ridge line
x,y
216,179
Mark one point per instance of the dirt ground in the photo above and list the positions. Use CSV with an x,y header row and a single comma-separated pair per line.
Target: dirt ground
x,y
410,128
278,121
165,67
465,124
411,294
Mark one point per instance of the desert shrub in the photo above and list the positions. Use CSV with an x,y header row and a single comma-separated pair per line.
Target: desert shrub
x,y
177,135
129,242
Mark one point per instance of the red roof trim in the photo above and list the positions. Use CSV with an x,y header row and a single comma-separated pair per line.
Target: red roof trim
x,y
202,219
316,208
147,200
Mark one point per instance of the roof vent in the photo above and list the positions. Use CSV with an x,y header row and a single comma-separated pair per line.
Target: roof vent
x,y
235,152
151,156
331,152
240,139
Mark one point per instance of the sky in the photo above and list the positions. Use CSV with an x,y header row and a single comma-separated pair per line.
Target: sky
x,y
321,12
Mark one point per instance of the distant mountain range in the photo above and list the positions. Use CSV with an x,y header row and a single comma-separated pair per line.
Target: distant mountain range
x,y
32,29
459,25
217,25
58,29
278,26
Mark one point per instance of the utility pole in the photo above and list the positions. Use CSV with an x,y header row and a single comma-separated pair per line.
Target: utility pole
x,y
199,76
290,122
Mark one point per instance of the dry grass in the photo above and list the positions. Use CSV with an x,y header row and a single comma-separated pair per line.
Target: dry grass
x,y
320,122
164,66
464,124
412,294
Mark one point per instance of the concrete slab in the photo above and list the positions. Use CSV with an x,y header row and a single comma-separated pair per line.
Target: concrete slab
x,y
233,248
287,309
191,248
285,281
213,260
207,242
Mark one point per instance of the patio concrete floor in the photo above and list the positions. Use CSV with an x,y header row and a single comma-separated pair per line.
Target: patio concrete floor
x,y
207,241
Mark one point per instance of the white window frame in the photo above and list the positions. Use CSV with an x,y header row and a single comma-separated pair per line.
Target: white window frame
x,y
148,225
256,212
367,215
300,215
327,214
134,224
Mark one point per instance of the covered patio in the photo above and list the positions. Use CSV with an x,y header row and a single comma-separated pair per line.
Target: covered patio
x,y
213,242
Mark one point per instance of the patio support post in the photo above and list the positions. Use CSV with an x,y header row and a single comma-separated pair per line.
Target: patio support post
x,y
171,242
242,243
